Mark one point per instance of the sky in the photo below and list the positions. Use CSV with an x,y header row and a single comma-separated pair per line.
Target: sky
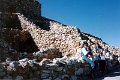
x,y
97,17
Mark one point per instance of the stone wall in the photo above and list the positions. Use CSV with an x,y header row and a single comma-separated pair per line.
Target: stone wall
x,y
30,69
30,8
31,51
9,20
63,68
67,39
18,40
114,50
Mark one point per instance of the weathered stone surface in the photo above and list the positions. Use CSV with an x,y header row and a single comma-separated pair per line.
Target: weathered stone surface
x,y
65,38
37,48
19,78
18,40
79,71
7,20
30,8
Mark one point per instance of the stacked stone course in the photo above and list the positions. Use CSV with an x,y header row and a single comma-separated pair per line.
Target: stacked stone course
x,y
65,38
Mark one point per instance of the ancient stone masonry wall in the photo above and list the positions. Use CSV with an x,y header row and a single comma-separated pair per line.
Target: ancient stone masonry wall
x,y
9,20
47,69
8,35
30,8
91,36
30,69
5,46
92,39
34,47
65,38
18,39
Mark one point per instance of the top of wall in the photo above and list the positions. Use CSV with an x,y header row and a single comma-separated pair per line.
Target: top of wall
x,y
30,8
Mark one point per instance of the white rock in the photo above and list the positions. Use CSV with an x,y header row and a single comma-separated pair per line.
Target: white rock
x,y
24,60
8,60
31,63
52,65
23,63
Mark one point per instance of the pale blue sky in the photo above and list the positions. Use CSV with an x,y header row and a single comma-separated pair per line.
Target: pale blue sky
x,y
97,17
